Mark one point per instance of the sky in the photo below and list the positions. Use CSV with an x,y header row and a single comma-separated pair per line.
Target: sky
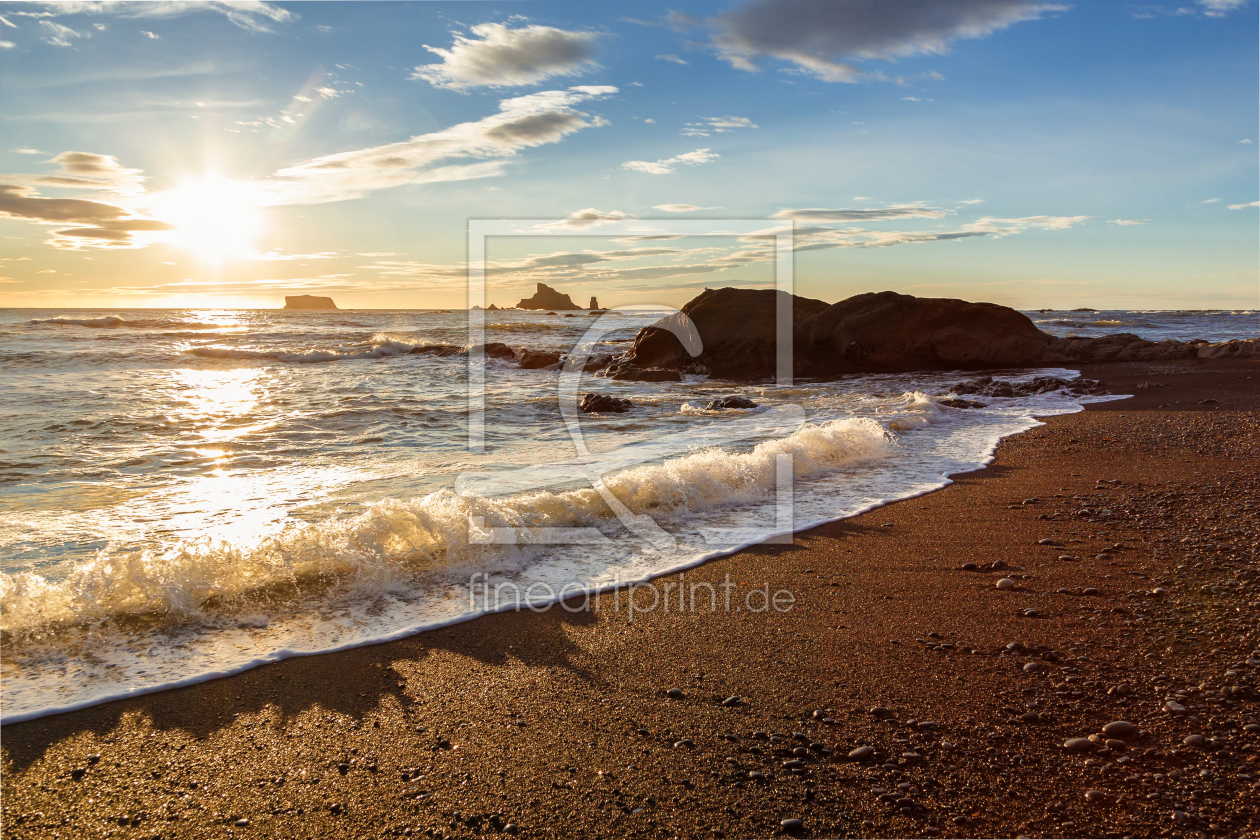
x,y
227,154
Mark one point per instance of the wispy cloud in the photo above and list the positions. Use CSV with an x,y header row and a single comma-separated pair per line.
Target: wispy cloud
x,y
1126,222
664,167
718,125
1244,206
60,35
828,39
252,15
497,56
901,211
670,57
590,217
525,121
681,208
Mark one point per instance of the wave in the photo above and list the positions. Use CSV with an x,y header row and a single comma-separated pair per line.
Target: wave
x,y
109,322
396,542
379,347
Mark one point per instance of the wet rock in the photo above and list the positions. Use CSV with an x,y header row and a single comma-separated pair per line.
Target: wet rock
x,y
498,350
536,359
604,404
862,753
730,402
1005,584
1095,795
958,402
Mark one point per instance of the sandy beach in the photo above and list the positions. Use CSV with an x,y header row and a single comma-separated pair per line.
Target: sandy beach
x,y
1129,533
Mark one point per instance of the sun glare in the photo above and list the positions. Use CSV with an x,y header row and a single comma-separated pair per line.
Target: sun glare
x,y
215,218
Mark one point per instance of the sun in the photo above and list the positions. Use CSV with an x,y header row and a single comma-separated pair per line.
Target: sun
x,y
215,218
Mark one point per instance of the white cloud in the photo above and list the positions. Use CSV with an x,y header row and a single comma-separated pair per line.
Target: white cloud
x,y
501,57
590,217
60,35
1220,8
251,15
825,38
1244,206
973,201
1245,140
671,58
7,45
146,33
901,211
1126,222
27,150
522,122
6,22
681,208
716,125
1210,201
664,167
1006,227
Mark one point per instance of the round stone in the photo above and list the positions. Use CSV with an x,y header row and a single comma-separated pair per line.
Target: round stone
x,y
1095,795
1078,745
862,753
792,824
1031,667
1194,741
1119,729
674,694
1005,584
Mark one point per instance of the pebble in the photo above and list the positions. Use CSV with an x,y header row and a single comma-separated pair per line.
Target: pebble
x,y
733,700
674,694
757,775
969,567
880,711
1031,667
1095,795
1194,741
242,823
1078,745
1005,583
1065,557
1047,541
862,753
792,824
998,564
685,742
1119,729
1174,707
1253,728
1089,590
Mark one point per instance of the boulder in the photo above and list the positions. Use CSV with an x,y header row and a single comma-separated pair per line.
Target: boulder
x,y
547,298
498,350
308,302
535,359
604,404
634,373
735,337
729,403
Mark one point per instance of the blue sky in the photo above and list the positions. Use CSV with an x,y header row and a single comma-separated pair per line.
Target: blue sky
x,y
1026,152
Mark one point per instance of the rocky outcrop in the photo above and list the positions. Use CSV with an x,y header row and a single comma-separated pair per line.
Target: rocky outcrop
x,y
547,298
594,303
536,359
731,333
308,302
604,404
727,403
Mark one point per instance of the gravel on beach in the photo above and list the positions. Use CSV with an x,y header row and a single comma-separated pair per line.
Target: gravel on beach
x,y
1110,691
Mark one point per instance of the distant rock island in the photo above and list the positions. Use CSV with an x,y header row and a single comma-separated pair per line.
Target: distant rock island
x,y
547,298
308,302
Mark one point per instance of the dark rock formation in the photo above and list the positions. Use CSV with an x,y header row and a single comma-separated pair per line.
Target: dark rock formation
x,y
634,373
308,302
594,303
436,350
591,365
547,298
604,404
733,333
498,350
987,386
535,359
492,308
956,402
730,402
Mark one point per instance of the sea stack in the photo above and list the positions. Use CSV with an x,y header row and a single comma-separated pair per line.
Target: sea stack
x,y
547,298
308,302
594,303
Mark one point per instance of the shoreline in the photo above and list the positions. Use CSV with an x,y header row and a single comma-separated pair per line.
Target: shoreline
x,y
575,689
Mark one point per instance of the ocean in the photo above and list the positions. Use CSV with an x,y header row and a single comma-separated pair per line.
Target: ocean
x,y
186,494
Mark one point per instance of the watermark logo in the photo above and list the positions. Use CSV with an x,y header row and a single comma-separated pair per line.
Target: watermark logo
x,y
666,595
594,468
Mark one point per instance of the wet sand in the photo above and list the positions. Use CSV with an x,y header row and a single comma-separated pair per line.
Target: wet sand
x,y
1130,530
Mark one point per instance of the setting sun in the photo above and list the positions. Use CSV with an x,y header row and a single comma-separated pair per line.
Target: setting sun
x,y
215,218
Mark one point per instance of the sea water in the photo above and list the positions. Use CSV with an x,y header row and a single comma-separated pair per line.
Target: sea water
x,y
190,493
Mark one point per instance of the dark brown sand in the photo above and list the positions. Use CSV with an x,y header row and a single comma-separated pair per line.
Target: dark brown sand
x,y
559,724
